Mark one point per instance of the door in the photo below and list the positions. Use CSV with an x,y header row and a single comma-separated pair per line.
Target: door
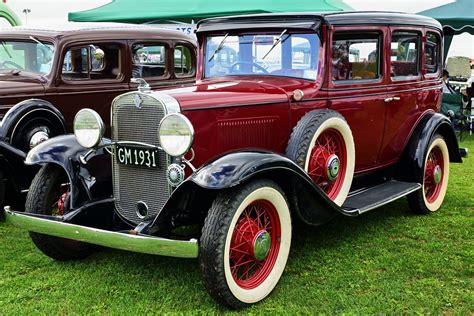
x,y
404,101
91,76
357,88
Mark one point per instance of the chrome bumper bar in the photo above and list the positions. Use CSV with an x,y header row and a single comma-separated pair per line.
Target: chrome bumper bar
x,y
136,243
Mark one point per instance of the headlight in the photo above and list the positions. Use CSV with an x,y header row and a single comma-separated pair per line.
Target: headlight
x,y
88,128
176,134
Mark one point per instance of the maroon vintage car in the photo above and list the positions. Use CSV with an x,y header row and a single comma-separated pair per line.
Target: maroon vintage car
x,y
293,117
47,75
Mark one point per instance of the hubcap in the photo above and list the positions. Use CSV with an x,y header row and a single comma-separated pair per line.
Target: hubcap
x,y
333,167
38,138
261,245
437,173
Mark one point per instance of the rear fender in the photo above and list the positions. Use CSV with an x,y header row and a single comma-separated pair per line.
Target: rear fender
x,y
410,166
307,201
88,181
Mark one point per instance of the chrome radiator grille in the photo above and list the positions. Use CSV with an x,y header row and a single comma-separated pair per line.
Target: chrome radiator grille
x,y
135,184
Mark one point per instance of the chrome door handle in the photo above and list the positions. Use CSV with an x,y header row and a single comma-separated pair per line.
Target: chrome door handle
x,y
391,99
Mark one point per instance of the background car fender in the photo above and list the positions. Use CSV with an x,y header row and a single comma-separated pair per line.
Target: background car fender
x,y
307,200
29,108
410,166
66,152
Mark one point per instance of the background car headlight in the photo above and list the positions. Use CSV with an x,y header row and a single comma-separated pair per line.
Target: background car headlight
x,y
176,134
88,128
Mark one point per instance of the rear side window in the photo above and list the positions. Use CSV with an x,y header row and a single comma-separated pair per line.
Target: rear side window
x,y
405,54
149,60
356,56
432,52
183,61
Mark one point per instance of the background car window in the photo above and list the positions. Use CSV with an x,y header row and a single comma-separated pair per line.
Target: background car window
x,y
92,62
26,56
432,52
405,52
355,57
278,54
183,65
149,61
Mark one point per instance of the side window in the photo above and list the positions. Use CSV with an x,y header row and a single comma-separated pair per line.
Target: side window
x,y
405,54
356,56
183,61
149,60
92,62
432,52
4,23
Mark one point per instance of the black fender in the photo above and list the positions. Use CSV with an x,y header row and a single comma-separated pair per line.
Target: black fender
x,y
29,108
410,166
307,201
88,181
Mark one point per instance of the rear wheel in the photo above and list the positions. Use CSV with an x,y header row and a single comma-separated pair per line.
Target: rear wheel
x,y
49,195
245,243
435,178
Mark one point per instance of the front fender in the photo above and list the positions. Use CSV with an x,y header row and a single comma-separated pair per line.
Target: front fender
x,y
307,200
66,152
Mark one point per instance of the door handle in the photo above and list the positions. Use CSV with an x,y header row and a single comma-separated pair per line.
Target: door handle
x,y
387,100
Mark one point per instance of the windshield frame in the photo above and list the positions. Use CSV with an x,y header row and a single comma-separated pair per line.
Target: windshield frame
x,y
274,32
50,41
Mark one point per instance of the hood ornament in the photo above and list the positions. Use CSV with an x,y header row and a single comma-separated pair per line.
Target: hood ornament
x,y
143,86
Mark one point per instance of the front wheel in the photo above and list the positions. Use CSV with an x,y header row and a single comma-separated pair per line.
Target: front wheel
x,y
49,195
435,178
245,243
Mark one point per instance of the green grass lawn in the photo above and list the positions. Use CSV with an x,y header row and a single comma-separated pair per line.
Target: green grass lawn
x,y
385,261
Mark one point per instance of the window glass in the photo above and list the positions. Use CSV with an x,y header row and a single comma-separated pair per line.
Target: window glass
x,y
355,57
273,54
4,23
30,56
405,52
432,52
92,62
183,63
149,61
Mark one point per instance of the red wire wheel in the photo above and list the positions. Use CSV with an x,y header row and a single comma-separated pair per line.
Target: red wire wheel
x,y
328,162
434,174
255,244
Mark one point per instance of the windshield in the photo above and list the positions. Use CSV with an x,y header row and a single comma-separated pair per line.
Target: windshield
x,y
273,54
31,56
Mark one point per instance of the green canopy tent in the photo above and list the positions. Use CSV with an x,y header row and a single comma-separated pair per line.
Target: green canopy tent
x,y
456,18
7,14
142,11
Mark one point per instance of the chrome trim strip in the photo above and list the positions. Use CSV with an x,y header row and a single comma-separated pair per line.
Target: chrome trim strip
x,y
136,243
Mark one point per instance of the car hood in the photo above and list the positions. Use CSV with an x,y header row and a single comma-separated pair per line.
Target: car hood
x,y
18,88
226,93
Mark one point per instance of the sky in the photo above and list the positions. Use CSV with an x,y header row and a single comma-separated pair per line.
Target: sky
x,y
55,11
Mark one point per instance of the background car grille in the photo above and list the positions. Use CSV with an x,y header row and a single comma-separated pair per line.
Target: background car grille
x,y
134,184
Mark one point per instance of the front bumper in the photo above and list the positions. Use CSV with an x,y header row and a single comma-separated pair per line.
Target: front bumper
x,y
118,240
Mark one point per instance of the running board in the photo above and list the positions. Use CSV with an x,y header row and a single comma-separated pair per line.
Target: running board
x,y
367,199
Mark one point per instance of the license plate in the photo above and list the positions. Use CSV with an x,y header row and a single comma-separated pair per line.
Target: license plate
x,y
137,156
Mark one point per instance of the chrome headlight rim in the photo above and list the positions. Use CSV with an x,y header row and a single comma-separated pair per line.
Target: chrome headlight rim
x,y
98,120
189,126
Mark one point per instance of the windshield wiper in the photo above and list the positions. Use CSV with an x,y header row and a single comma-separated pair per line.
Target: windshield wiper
x,y
277,41
221,46
41,44
6,49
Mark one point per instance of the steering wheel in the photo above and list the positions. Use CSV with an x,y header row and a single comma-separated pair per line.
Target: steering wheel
x,y
232,68
11,63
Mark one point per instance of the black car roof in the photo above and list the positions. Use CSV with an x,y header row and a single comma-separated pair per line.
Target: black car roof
x,y
312,20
